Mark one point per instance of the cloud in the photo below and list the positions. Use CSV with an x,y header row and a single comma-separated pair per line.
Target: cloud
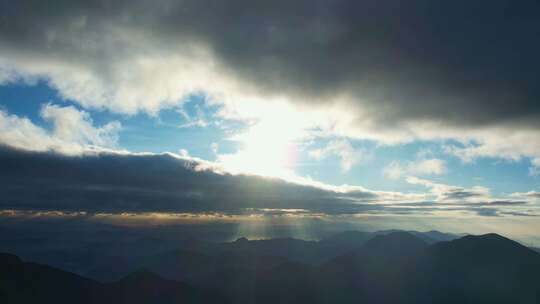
x,y
197,120
73,131
384,71
182,188
110,182
449,193
534,170
512,145
72,125
394,170
487,212
347,154
530,195
432,166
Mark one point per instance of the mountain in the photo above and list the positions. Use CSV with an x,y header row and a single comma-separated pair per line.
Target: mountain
x,y
476,269
112,268
109,254
22,282
373,271
33,283
351,239
385,248
143,286
434,236
395,244
181,265
176,264
288,248
392,267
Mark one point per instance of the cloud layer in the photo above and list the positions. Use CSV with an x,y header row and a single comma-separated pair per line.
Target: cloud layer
x,y
124,183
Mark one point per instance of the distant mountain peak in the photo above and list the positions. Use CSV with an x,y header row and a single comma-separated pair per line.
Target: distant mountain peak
x,y
241,240
398,237
400,241
483,238
9,262
484,247
8,258
493,236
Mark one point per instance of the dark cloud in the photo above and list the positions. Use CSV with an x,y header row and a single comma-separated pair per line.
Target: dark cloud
x,y
81,186
505,203
460,62
486,212
460,194
516,213
112,182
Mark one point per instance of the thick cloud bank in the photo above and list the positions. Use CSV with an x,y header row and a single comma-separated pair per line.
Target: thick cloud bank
x,y
460,62
116,183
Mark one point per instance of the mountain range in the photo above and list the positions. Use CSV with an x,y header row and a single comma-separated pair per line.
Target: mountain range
x,y
350,267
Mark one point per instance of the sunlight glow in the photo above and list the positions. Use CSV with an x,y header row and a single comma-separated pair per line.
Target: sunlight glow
x,y
269,147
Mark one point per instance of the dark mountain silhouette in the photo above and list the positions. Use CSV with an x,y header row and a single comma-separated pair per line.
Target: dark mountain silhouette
x,y
348,239
22,282
110,254
184,265
389,267
393,246
434,236
476,269
143,286
112,268
175,264
34,283
289,248
399,268
374,270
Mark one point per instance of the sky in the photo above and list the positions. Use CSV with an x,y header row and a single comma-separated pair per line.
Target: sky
x,y
420,114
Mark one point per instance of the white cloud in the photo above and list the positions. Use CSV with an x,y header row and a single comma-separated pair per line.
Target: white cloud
x,y
432,166
535,195
199,118
534,170
73,131
394,170
347,154
72,125
508,144
183,153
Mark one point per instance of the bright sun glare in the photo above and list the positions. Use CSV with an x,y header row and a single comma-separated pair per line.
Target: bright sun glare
x,y
269,147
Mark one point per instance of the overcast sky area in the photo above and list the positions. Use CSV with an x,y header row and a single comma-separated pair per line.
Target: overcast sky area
x,y
384,114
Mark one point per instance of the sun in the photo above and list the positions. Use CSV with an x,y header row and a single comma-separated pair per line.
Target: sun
x,y
267,149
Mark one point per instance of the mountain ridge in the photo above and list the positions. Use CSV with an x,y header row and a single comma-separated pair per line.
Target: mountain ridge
x,y
396,267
